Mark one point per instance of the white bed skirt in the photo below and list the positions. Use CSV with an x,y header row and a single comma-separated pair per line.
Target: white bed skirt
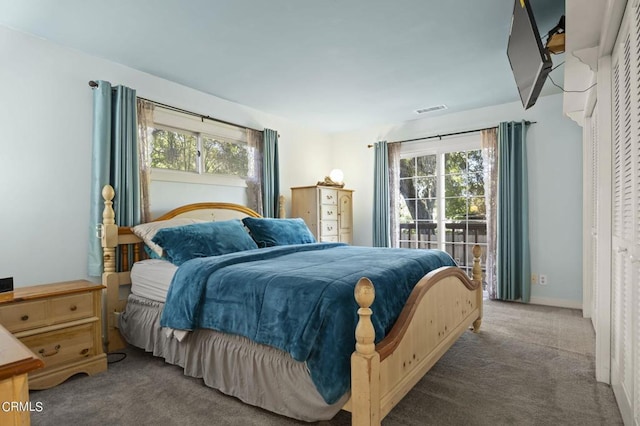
x,y
256,374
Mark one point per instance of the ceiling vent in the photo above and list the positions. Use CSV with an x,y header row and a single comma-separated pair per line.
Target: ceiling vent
x,y
431,109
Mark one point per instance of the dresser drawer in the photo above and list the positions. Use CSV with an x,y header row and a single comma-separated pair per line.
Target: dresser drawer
x,y
30,315
328,196
24,315
67,308
62,346
328,212
328,227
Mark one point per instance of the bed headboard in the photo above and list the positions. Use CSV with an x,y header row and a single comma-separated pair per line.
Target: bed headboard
x,y
121,247
123,238
210,211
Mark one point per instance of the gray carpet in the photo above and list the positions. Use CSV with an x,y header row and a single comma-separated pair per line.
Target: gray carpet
x,y
530,365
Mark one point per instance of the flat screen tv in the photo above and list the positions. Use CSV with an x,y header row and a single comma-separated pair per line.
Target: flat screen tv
x,y
530,60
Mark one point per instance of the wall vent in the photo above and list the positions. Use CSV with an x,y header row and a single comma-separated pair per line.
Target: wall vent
x,y
431,109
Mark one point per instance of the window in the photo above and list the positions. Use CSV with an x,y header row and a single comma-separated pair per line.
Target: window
x,y
174,149
224,157
441,202
182,146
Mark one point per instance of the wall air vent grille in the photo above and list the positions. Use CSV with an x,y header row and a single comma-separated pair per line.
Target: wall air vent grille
x,y
431,109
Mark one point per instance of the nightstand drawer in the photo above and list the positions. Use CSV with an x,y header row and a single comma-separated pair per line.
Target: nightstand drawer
x,y
24,316
62,346
72,307
328,196
330,239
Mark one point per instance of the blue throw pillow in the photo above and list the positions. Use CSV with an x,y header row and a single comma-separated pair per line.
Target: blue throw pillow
x,y
182,243
278,232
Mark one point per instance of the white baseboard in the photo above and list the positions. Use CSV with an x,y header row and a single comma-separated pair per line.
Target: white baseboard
x,y
560,303
622,397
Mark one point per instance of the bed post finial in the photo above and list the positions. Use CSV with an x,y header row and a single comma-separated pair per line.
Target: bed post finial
x,y
365,293
477,269
365,361
108,194
109,234
281,211
477,277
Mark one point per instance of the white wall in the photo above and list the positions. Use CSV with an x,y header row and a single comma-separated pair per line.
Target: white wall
x,y
165,196
555,184
45,151
45,157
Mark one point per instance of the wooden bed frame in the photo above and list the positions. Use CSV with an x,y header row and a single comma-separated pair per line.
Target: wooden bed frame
x,y
443,304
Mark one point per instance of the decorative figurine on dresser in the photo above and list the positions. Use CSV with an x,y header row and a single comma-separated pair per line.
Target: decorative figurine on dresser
x,y
326,208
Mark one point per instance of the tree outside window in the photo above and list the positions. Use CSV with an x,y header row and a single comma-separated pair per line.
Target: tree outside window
x,y
181,150
442,203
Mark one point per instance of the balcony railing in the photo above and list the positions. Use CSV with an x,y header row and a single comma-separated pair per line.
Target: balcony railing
x,y
460,237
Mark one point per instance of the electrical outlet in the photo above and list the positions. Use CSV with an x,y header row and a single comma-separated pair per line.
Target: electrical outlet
x,y
534,278
543,279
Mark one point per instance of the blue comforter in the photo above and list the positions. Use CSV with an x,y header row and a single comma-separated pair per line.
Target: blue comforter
x,y
299,299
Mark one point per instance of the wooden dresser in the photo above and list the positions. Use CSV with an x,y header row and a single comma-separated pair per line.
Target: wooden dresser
x,y
327,211
16,360
61,323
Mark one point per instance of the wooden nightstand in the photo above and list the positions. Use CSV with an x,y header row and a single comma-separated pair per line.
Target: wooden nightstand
x,y
16,360
61,323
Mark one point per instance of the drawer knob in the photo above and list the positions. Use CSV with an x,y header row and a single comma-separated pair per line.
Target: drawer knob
x,y
73,307
329,228
329,197
25,318
44,353
84,351
329,212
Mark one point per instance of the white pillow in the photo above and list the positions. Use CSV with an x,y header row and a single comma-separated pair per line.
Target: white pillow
x,y
146,231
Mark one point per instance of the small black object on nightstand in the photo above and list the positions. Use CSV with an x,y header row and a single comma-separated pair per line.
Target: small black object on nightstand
x,y
6,284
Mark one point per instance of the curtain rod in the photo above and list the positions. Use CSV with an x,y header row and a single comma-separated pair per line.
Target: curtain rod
x,y
450,134
94,84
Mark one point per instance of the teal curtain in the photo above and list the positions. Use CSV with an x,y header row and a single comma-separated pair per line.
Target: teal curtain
x,y
513,258
114,161
381,213
270,174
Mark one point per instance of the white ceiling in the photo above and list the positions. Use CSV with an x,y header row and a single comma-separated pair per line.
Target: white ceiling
x,y
333,65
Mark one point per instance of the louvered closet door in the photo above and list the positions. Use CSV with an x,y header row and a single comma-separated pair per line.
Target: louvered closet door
x,y
634,204
616,281
625,304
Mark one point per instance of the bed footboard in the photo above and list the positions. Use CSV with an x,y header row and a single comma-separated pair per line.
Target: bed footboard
x,y
441,307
